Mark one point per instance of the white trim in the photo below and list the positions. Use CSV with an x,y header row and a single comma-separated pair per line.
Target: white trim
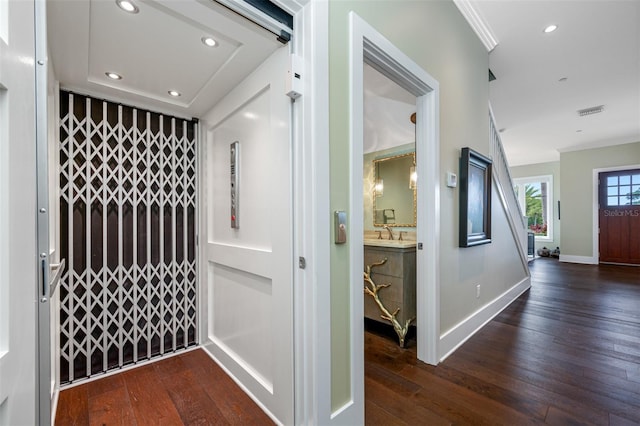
x,y
367,44
595,253
587,260
454,338
477,23
54,404
312,327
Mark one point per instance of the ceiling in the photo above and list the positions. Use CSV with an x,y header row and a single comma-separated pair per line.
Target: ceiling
x,y
387,112
156,50
592,59
596,48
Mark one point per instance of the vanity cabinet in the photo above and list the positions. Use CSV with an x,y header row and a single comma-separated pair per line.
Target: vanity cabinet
x,y
400,272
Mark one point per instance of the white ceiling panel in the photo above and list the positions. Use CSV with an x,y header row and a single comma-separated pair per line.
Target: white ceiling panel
x,y
155,50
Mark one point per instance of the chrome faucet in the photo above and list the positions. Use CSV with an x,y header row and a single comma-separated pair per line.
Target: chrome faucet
x,y
389,230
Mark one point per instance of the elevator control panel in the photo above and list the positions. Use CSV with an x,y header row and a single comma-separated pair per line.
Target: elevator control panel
x,y
235,184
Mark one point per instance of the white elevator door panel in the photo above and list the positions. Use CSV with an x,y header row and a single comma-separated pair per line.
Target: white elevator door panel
x,y
249,270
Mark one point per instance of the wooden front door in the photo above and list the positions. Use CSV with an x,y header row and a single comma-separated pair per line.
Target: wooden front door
x,y
620,216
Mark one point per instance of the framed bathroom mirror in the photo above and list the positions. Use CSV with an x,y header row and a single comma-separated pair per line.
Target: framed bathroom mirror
x,y
394,198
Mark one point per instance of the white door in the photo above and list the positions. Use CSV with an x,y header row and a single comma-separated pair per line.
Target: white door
x,y
249,296
19,265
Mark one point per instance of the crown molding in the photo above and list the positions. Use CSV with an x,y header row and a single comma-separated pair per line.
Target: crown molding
x,y
478,23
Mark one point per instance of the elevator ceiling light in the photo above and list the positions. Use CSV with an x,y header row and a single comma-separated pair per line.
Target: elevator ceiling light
x,y
551,28
174,93
113,76
127,6
209,41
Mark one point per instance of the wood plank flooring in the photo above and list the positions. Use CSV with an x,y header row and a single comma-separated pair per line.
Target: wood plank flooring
x,y
187,389
567,352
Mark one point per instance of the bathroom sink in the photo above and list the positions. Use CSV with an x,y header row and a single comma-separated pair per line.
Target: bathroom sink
x,y
389,243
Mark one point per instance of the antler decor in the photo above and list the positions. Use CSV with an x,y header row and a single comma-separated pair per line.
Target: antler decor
x,y
372,289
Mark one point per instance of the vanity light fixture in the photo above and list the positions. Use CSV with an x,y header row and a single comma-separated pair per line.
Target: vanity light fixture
x,y
413,177
174,93
551,28
127,6
209,41
379,188
113,75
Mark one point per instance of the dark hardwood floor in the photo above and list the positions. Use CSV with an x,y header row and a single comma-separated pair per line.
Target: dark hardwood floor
x,y
187,389
567,352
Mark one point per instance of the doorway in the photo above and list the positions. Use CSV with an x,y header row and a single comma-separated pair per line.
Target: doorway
x,y
225,52
369,46
390,206
619,216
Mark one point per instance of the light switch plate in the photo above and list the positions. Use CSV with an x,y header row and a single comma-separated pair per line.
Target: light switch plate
x,y
452,180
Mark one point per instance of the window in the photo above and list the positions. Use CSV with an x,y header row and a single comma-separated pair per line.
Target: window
x,y
623,189
535,196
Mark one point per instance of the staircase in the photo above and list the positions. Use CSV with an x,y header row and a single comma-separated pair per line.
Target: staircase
x,y
502,178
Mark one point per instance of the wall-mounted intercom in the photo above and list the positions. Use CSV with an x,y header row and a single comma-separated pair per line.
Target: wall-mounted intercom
x,y
235,184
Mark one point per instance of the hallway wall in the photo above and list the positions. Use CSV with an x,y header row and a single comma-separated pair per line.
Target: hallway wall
x,y
573,187
436,36
577,194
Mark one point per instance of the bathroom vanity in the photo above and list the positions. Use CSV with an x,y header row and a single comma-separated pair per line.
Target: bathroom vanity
x,y
399,271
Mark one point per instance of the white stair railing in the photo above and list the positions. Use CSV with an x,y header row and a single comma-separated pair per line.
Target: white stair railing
x,y
502,177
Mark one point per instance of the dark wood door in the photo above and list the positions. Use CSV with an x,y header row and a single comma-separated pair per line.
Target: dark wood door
x,y
620,216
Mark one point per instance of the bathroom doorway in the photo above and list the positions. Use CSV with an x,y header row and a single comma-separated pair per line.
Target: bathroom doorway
x,y
368,46
390,207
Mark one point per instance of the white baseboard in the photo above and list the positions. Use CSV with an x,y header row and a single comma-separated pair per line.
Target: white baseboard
x,y
588,260
454,338
338,416
54,404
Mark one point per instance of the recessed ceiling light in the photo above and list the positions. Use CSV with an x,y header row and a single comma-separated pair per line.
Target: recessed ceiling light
x,y
579,131
551,28
502,130
209,41
174,93
563,79
127,6
113,76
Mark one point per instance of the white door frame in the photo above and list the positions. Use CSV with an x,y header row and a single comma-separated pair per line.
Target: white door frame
x,y
311,168
368,45
44,375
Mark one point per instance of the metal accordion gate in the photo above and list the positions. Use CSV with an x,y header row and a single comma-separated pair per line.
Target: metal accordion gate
x,y
127,230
